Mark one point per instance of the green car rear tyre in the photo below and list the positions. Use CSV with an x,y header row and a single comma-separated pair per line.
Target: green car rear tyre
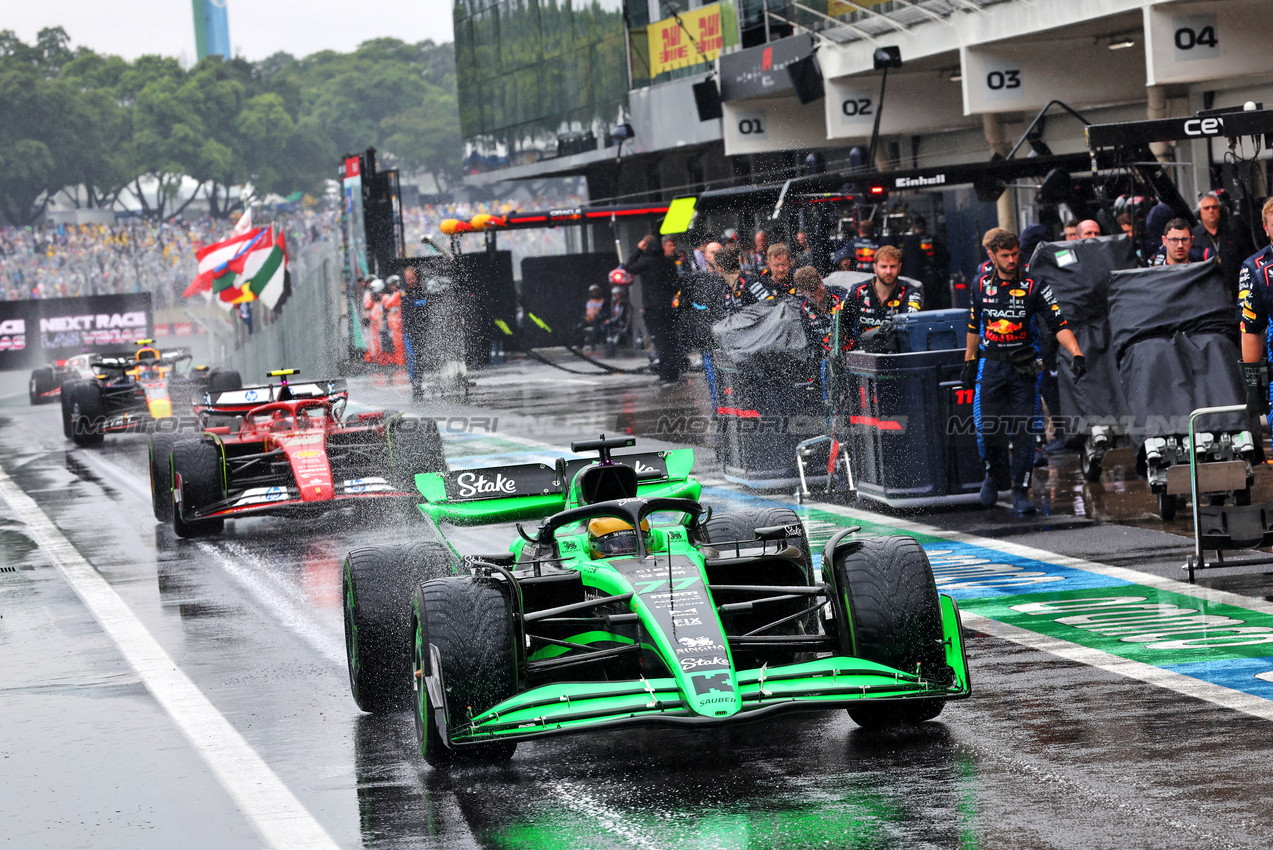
x,y
470,622
376,586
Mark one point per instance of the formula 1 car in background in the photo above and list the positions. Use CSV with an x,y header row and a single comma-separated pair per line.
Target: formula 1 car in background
x,y
46,382
632,604
288,451
128,393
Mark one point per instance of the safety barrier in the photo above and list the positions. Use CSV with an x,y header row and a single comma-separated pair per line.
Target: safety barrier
x,y
308,334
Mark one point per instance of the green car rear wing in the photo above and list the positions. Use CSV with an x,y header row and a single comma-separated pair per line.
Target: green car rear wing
x,y
535,490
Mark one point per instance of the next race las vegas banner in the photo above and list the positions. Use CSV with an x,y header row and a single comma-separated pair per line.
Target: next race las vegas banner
x,y
39,331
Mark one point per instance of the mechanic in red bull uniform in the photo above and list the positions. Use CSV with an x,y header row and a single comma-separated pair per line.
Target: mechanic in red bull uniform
x,y
870,307
820,307
1255,299
752,287
1002,363
865,246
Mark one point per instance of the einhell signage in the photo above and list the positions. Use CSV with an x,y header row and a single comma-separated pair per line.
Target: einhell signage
x,y
760,71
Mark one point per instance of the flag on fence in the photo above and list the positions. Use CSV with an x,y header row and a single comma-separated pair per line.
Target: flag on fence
x,y
244,268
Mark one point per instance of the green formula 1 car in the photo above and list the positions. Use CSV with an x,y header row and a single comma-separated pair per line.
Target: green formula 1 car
x,y
630,603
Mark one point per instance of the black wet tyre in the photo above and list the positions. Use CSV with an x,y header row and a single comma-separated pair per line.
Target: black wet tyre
x,y
68,398
742,525
892,602
414,446
42,381
198,462
88,414
376,587
470,622
223,380
1092,471
160,451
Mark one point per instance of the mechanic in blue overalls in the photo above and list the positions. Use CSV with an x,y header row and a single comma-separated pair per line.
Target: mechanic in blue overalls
x,y
1255,299
415,302
1002,362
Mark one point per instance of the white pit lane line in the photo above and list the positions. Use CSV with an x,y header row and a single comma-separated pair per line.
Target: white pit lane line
x,y
261,796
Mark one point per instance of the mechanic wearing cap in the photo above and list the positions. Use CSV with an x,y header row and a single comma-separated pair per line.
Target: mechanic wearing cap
x,y
1001,361
1255,298
870,307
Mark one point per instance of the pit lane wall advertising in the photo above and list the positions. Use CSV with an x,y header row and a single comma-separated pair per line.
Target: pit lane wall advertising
x,y
36,332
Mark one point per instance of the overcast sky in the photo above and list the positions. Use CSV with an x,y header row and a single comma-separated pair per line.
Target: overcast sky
x,y
258,28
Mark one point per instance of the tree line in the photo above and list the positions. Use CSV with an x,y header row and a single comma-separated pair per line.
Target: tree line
x,y
96,127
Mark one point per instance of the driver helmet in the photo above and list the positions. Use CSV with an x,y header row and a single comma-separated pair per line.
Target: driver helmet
x,y
610,536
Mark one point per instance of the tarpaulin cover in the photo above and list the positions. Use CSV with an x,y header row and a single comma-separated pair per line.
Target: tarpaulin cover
x,y
1079,274
1167,378
1163,300
770,327
1174,336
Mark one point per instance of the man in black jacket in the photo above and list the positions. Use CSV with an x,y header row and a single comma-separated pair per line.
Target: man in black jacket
x,y
659,268
1224,237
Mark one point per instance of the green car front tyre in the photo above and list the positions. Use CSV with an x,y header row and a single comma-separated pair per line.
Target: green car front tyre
x,y
892,602
469,621
882,715
376,587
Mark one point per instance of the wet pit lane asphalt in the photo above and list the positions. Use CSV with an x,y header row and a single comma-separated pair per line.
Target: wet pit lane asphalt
x,y
1065,742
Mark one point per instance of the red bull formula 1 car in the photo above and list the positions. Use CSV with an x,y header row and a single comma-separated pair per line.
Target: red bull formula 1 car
x,y
632,604
286,449
128,394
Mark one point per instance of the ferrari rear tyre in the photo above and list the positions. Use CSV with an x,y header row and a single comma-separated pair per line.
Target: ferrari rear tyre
x,y
415,446
891,599
376,586
42,381
470,623
198,462
88,413
160,450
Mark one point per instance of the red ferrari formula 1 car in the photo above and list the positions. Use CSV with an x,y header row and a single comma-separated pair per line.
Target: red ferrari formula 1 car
x,y
293,452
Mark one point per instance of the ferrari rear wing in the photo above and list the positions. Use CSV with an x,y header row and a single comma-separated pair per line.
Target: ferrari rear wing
x,y
532,490
245,398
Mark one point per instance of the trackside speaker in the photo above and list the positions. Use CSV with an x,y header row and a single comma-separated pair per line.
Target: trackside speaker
x,y
806,79
707,99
